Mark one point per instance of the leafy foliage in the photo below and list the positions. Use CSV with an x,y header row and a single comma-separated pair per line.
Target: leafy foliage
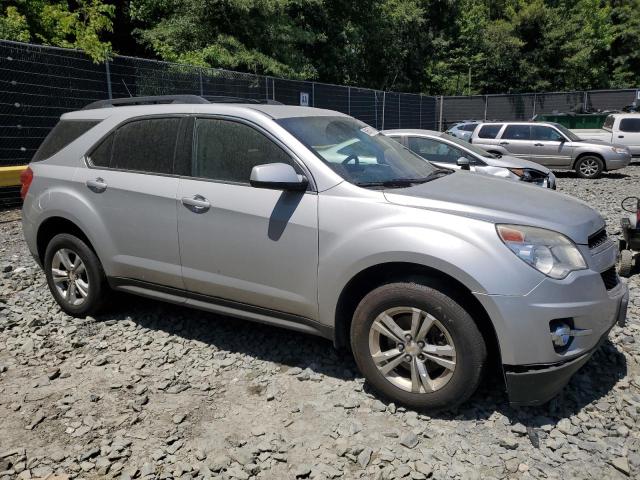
x,y
450,47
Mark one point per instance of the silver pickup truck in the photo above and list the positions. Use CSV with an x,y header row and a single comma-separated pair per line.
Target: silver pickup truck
x,y
620,128
552,145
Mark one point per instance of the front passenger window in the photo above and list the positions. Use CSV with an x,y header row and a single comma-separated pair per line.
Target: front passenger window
x,y
228,151
542,133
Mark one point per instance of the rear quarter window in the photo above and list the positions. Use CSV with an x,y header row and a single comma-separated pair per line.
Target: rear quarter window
x,y
65,132
489,131
608,122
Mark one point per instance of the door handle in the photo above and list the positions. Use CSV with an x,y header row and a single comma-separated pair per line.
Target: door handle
x,y
98,185
504,143
620,136
197,203
538,145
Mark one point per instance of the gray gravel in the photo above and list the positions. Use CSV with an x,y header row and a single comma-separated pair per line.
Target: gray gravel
x,y
155,391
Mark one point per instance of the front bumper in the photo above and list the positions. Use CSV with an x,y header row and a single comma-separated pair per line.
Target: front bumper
x,y
537,384
618,160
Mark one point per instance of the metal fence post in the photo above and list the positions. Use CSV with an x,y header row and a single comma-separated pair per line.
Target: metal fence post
x,y
313,94
384,101
486,103
420,114
440,119
535,100
200,77
399,116
375,105
584,101
273,89
108,72
349,95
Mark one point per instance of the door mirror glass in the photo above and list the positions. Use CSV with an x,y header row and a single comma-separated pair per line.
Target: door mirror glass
x,y
463,163
277,176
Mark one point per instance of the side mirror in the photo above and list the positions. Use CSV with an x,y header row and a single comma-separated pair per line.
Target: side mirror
x,y
464,163
277,176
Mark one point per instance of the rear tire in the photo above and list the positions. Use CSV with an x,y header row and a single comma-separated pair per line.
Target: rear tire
x,y
625,266
75,275
442,353
589,167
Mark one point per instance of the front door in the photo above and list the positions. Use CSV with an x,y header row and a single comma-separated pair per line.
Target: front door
x,y
253,246
131,187
440,153
629,135
550,148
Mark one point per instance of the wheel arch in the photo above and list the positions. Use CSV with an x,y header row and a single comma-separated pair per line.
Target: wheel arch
x,y
374,276
52,226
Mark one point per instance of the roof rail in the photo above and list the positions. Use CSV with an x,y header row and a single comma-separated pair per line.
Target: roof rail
x,y
152,100
229,99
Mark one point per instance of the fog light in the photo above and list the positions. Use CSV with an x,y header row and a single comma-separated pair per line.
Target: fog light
x,y
561,335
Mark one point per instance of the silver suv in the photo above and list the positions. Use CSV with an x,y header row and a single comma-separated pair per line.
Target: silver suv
x,y
311,220
552,145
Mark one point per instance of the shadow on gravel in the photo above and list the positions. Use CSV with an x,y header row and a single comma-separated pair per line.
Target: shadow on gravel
x,y
605,175
291,349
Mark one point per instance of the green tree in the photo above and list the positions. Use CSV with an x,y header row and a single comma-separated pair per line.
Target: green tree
x,y
81,25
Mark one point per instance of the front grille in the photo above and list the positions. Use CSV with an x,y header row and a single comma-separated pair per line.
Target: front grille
x,y
610,278
598,238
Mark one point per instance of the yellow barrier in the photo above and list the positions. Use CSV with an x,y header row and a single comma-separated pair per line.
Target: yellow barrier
x,y
10,176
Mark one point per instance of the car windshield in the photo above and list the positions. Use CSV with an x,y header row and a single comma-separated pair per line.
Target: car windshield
x,y
466,145
359,153
567,133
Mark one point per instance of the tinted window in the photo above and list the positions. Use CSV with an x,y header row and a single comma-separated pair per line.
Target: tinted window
x,y
469,127
630,125
65,132
101,155
540,132
228,151
434,150
489,131
516,132
145,145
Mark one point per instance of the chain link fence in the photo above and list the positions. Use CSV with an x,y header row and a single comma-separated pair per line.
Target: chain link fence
x,y
524,106
38,84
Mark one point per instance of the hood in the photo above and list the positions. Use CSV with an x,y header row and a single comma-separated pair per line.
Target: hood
x,y
507,161
494,200
586,142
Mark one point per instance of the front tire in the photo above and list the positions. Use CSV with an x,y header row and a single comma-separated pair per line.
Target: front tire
x,y
589,167
625,266
74,275
417,346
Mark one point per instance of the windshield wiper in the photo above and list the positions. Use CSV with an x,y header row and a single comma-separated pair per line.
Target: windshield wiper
x,y
406,182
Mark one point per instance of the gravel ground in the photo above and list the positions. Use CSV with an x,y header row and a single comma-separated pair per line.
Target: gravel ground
x,y
155,391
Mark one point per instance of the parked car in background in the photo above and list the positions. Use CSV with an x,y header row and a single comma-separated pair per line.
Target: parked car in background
x,y
463,129
446,151
551,145
248,211
619,128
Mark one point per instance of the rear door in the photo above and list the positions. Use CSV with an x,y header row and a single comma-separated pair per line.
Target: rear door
x,y
550,147
516,139
131,185
254,247
629,134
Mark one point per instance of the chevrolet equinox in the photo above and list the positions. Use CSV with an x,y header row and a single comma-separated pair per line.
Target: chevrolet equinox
x,y
311,220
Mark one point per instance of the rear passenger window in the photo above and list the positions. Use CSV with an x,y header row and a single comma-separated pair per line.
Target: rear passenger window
x,y
65,132
630,125
228,151
101,155
489,131
146,145
517,132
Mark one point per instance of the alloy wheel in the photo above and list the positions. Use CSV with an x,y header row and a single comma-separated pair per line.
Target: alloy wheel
x,y
412,349
70,277
589,167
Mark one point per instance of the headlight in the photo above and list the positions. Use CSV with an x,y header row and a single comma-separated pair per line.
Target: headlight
x,y
548,252
620,149
518,172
